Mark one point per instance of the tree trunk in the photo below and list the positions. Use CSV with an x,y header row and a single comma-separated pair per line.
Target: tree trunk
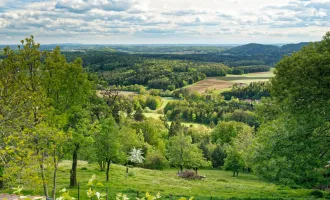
x,y
42,169
55,176
181,168
73,171
196,170
1,177
108,169
237,173
234,174
101,165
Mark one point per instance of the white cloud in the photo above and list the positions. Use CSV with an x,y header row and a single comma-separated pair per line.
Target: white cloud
x,y
135,21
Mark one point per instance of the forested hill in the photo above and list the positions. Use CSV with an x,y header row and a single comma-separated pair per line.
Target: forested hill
x,y
261,49
254,49
249,54
289,48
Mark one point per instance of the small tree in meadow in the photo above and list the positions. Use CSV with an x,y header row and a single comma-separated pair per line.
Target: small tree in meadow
x,y
136,156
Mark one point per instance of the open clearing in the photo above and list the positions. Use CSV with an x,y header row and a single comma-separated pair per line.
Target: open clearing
x,y
218,184
223,83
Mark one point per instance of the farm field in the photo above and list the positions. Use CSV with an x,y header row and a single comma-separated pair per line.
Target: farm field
x,y
223,83
218,184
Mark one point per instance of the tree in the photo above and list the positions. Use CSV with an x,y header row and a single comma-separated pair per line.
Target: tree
x,y
176,128
218,156
182,153
136,156
39,91
138,115
295,141
233,161
108,148
225,132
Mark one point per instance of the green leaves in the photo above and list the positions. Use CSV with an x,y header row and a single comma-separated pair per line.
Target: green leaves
x,y
292,142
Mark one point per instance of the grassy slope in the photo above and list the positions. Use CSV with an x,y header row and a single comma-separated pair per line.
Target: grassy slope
x,y
219,184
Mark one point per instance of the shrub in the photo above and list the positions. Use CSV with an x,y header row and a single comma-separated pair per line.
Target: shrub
x,y
155,160
147,110
153,102
317,193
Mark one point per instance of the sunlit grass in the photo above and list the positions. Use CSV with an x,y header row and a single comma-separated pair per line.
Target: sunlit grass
x,y
218,184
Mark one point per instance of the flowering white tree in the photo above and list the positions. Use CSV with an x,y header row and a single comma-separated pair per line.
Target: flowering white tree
x,y
136,156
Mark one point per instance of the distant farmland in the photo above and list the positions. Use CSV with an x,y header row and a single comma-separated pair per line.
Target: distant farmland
x,y
223,83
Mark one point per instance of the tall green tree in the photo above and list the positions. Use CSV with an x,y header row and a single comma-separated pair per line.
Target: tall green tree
x,y
294,143
108,147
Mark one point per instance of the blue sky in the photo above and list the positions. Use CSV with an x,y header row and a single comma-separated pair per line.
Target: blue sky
x,y
164,21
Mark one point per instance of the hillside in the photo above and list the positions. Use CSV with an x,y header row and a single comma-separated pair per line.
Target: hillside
x,y
289,48
218,184
253,49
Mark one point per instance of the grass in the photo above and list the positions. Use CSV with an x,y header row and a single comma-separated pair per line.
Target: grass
x,y
248,78
156,116
218,184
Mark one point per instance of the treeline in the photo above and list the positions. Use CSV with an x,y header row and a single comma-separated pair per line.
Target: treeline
x,y
255,90
98,61
250,69
163,74
227,59
209,109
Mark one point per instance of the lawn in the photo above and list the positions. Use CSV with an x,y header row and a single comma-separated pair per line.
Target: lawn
x,y
218,184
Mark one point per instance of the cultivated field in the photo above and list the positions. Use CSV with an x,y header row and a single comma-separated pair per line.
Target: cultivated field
x,y
223,83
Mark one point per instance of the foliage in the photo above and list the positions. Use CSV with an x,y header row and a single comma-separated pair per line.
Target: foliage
x,y
233,161
206,108
155,159
225,132
255,90
182,153
292,144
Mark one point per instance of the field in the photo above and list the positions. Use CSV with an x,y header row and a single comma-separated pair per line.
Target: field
x,y
218,184
223,83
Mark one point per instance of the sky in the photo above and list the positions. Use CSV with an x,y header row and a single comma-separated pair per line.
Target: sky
x,y
164,21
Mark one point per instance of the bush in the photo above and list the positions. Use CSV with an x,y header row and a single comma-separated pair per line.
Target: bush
x,y
155,160
317,193
147,110
153,102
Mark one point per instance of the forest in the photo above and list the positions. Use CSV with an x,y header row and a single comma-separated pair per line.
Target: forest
x,y
65,118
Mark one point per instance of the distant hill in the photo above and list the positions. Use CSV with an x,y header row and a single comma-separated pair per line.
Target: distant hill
x,y
290,48
253,49
261,49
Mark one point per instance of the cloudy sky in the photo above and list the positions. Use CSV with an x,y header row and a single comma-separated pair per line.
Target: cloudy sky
x,y
164,21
